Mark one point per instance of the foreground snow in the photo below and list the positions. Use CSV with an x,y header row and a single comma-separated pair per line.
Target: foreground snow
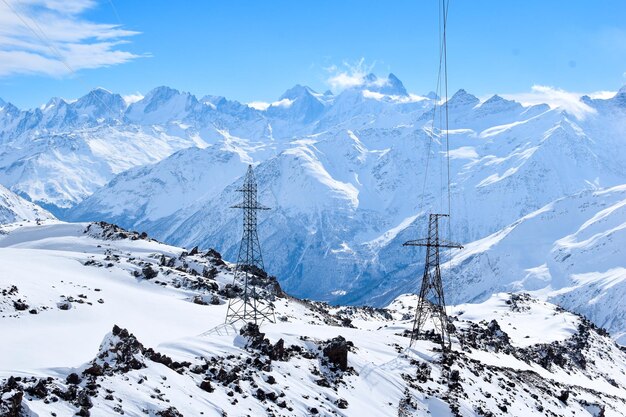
x,y
63,288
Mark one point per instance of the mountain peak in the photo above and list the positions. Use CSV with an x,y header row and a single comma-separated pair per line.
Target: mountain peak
x,y
391,85
102,100
620,98
297,91
463,98
162,92
54,102
303,104
496,104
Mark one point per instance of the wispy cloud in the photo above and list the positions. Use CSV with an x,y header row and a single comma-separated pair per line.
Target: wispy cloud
x,y
558,98
132,98
51,37
349,74
262,105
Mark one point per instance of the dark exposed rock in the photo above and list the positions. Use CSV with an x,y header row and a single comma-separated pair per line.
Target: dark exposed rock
x,y
490,337
11,403
252,333
341,403
277,352
19,305
519,302
73,378
83,412
94,370
109,231
210,273
336,350
169,412
198,299
260,394
148,272
64,305
205,385
194,251
39,390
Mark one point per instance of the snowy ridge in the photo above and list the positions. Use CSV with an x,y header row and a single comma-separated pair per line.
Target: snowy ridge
x,y
14,208
83,279
578,263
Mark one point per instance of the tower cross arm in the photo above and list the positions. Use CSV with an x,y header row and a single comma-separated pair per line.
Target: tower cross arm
x,y
426,242
253,206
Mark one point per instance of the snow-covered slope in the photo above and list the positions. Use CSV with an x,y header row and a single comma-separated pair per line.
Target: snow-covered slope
x,y
345,198
14,208
578,261
344,174
100,321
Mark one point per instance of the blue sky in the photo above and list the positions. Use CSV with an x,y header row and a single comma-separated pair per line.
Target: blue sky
x,y
254,51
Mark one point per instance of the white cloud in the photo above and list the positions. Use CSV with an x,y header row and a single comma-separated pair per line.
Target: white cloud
x,y
411,98
262,105
48,36
351,75
602,95
132,98
259,105
558,98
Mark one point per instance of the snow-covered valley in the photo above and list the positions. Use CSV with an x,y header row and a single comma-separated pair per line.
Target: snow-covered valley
x,y
100,321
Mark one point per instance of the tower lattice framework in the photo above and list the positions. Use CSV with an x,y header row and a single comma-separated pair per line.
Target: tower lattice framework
x,y
248,307
431,301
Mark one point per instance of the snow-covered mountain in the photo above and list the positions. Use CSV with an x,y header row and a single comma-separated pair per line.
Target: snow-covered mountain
x,y
578,261
344,174
99,321
14,208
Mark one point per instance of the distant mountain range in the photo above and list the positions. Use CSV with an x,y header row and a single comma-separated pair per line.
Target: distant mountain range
x,y
536,192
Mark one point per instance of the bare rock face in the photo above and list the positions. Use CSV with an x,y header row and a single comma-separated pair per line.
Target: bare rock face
x,y
336,350
11,399
252,332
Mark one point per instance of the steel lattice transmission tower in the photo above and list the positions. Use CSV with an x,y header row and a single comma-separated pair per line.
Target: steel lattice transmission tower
x,y
248,307
431,301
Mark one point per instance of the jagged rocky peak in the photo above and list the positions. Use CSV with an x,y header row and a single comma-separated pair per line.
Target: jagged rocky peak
x,y
432,95
162,104
462,98
162,94
54,102
620,97
298,91
498,104
9,109
100,101
391,85
298,103
212,100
